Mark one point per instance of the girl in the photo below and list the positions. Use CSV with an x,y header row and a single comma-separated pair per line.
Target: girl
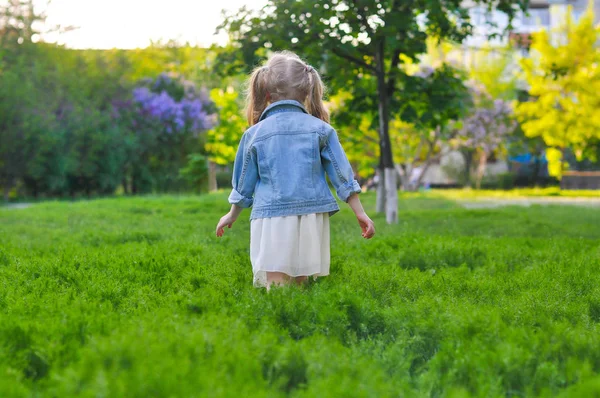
x,y
280,171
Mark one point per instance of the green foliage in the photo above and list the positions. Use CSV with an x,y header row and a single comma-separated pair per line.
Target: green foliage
x,y
57,138
222,140
357,132
343,36
136,297
192,62
359,46
66,126
493,71
425,114
435,98
564,80
196,172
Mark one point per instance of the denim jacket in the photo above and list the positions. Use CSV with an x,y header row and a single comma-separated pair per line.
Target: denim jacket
x,y
281,163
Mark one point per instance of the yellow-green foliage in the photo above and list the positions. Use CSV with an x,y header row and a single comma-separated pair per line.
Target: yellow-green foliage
x,y
564,79
223,139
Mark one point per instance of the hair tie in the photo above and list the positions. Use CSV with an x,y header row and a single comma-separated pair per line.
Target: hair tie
x,y
309,69
265,68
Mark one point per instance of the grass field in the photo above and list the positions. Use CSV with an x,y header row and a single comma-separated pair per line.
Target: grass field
x,y
552,192
137,298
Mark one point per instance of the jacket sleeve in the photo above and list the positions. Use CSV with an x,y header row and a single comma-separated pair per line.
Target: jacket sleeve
x,y
245,174
337,166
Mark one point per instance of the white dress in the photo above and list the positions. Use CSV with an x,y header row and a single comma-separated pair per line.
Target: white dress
x,y
294,245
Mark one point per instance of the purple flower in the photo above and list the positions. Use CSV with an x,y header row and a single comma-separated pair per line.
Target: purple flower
x,y
424,72
187,115
141,94
487,127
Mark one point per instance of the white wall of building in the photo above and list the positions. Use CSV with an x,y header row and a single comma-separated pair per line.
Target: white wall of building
x,y
452,166
546,14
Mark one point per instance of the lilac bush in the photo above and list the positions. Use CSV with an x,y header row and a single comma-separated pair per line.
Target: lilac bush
x,y
187,115
165,117
487,128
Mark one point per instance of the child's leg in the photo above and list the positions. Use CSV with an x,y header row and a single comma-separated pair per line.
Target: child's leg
x,y
277,278
280,278
300,280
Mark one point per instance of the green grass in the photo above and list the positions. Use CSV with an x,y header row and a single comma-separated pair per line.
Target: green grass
x,y
137,298
512,194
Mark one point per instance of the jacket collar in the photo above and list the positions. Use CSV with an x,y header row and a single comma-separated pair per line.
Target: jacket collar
x,y
282,106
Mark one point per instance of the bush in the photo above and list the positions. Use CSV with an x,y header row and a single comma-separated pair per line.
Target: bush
x,y
196,172
506,181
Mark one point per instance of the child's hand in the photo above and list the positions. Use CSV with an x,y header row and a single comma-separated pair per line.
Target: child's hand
x,y
366,224
226,221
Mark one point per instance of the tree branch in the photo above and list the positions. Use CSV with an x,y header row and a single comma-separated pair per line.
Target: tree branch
x,y
353,59
371,139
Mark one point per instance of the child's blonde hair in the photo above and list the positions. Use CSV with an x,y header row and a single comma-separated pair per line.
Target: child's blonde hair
x,y
285,77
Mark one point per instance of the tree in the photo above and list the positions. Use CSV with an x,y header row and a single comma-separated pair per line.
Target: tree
x,y
16,95
422,126
494,71
357,134
69,124
564,82
350,40
195,171
434,100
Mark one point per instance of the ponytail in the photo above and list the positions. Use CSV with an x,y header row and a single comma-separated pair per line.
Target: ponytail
x,y
257,95
314,99
285,77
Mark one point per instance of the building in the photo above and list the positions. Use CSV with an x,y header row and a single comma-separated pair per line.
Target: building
x,y
542,15
548,15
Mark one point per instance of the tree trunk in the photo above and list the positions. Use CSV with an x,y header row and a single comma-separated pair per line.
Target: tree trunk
x,y
134,184
387,161
391,195
422,175
7,187
536,172
212,177
563,164
468,156
403,175
481,168
380,191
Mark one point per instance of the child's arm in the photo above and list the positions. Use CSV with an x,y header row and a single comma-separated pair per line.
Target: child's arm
x,y
366,224
340,173
338,167
245,176
228,219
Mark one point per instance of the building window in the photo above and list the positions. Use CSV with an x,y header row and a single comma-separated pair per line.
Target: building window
x,y
536,17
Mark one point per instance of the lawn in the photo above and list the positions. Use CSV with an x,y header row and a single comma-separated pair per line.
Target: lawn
x,y
136,297
521,193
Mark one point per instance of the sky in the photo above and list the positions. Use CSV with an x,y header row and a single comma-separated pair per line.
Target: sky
x,y
105,24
